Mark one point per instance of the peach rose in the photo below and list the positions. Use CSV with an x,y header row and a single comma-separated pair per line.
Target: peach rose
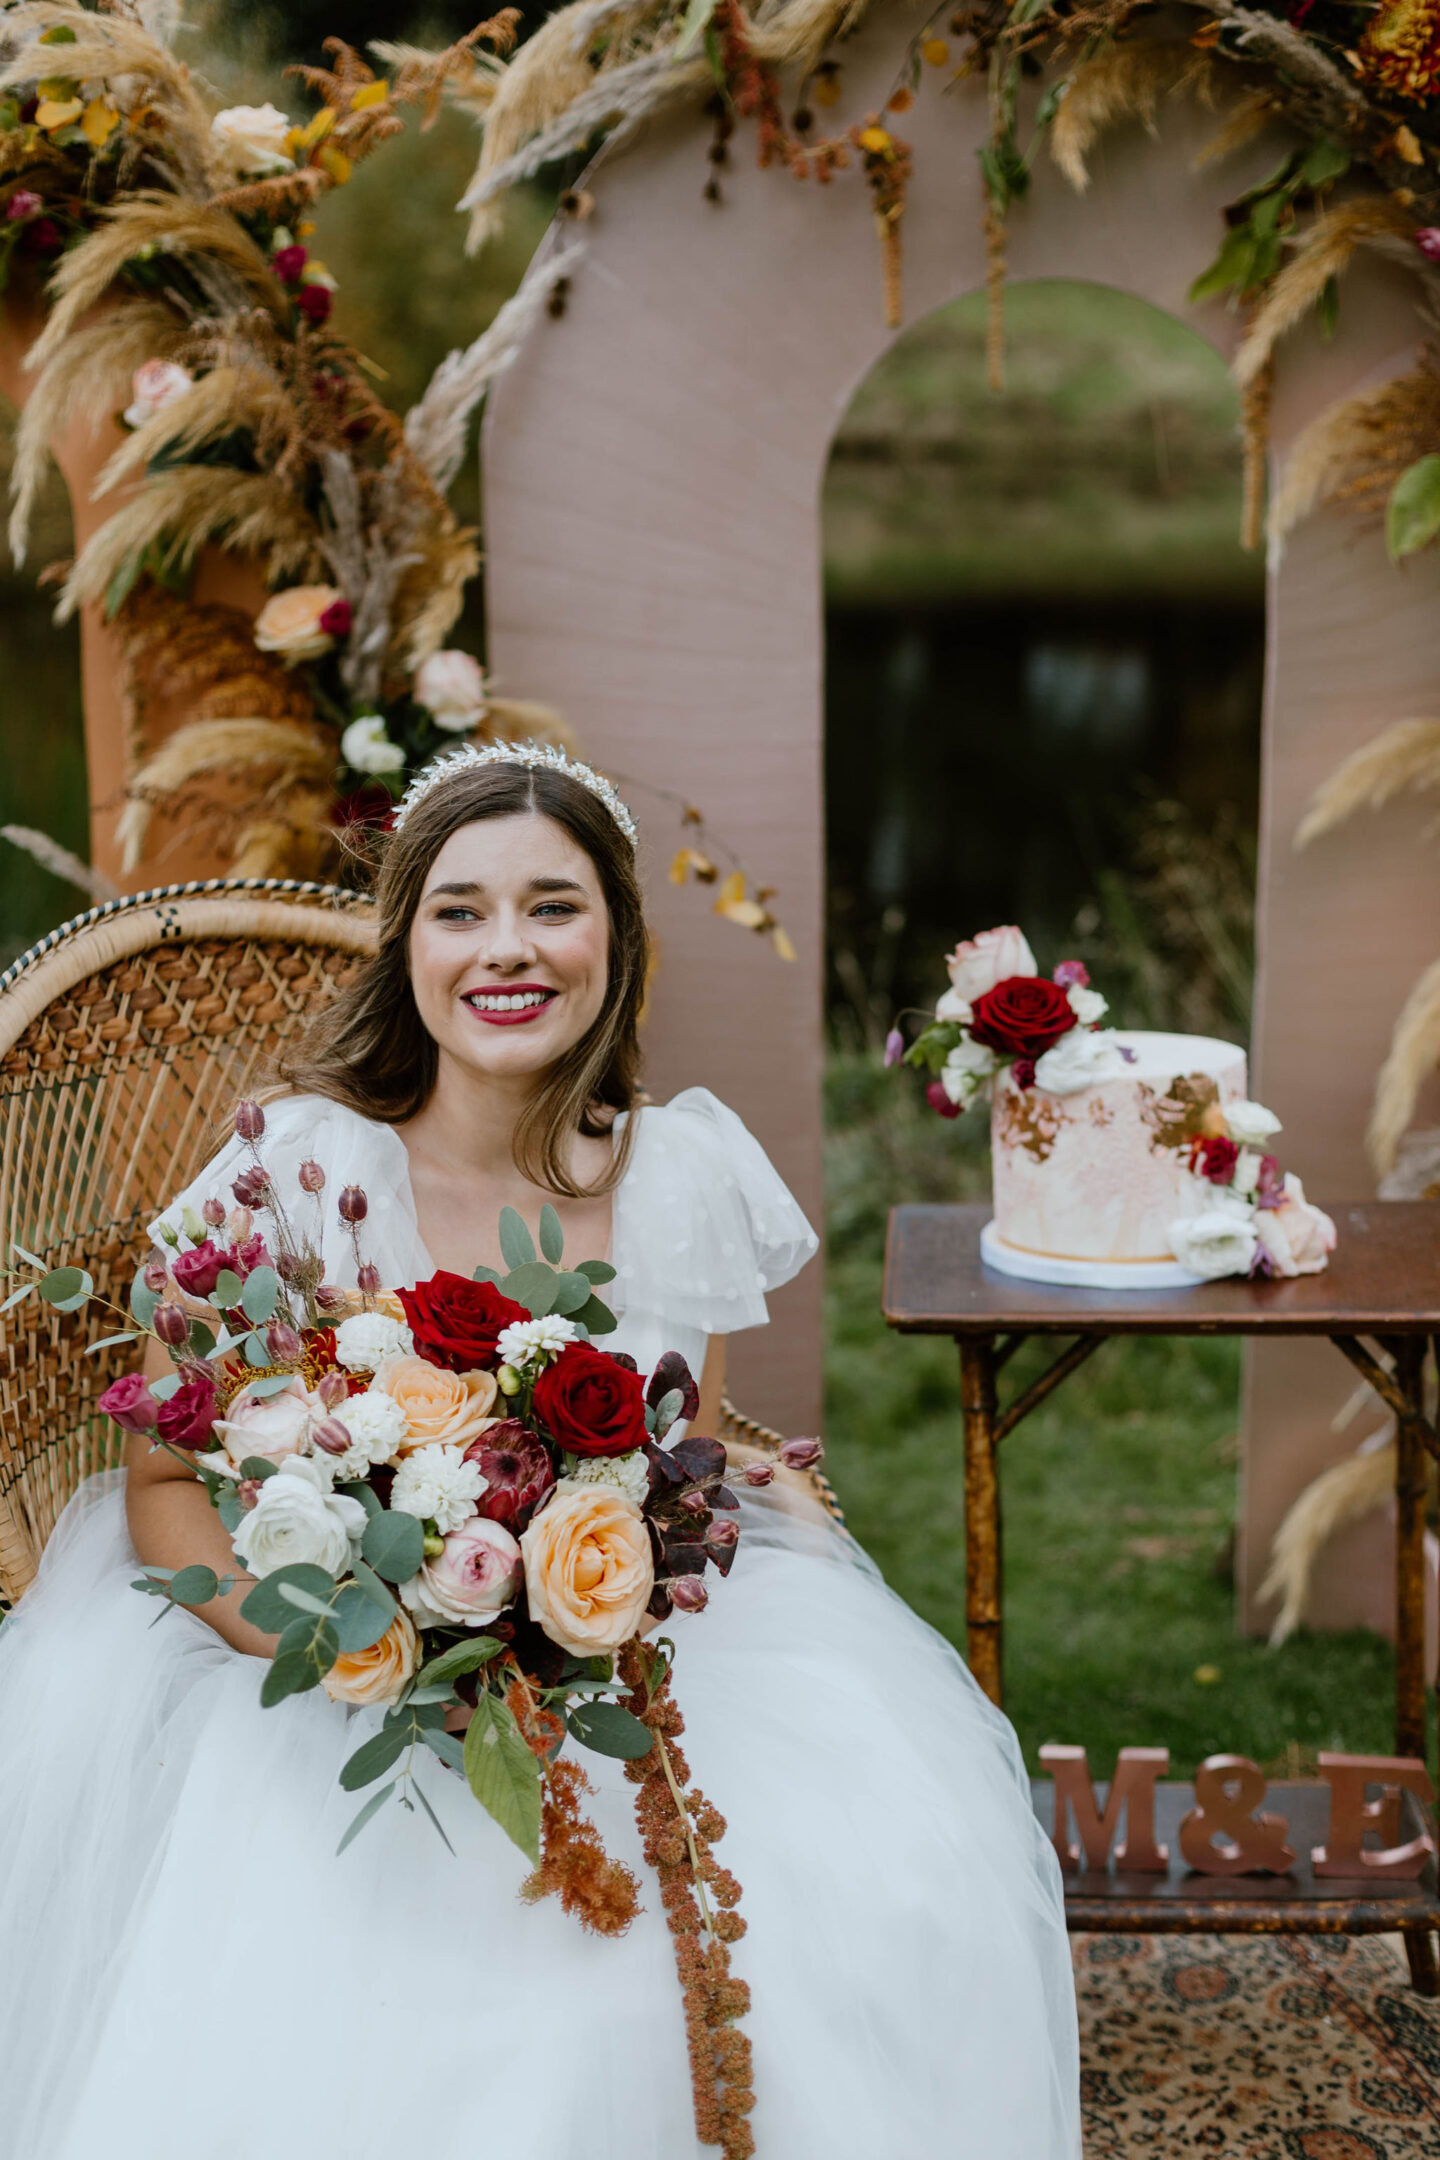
x,y
378,1674
293,623
439,1406
1298,1236
588,1570
386,1301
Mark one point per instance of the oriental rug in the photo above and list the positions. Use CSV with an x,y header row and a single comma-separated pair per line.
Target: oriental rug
x,y
1265,2048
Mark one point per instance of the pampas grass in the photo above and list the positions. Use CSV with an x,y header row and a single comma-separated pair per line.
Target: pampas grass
x,y
182,511
1323,253
288,754
1124,82
1413,1055
1405,755
60,862
1356,451
1344,1494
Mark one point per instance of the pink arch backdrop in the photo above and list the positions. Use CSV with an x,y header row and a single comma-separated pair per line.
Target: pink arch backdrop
x,y
653,471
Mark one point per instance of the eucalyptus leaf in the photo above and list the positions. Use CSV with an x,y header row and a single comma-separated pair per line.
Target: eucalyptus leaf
x,y
503,1774
257,1468
532,1286
420,1698
596,1317
106,1342
33,1258
271,1384
167,1385
394,1545
485,1274
17,1296
257,1351
260,1294
228,1286
552,1236
357,1489
465,1657
302,1600
202,1339
229,1509
66,1288
449,1747
293,1674
371,1808
595,1271
143,1301
359,1620
571,1294
419,1791
1413,516
370,1582
609,1730
265,1609
375,1757
194,1585
517,1247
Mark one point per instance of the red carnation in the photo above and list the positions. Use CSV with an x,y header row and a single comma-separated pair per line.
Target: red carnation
x,y
456,1322
1215,1158
1022,1017
589,1404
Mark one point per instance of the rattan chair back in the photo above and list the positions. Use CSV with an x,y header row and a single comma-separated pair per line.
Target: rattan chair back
x,y
125,1038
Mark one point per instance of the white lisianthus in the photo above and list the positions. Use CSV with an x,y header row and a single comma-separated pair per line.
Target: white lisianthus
x,y
296,1520
366,1338
439,1485
966,1070
253,138
1083,1058
954,1007
451,687
1220,1241
534,1342
630,1472
1246,1175
1249,1123
154,385
367,747
376,1425
1087,1005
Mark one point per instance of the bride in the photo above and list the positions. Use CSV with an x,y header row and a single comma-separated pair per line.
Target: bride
x,y
188,1971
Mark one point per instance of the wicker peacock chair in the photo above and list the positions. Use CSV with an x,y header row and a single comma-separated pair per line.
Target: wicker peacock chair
x,y
125,1037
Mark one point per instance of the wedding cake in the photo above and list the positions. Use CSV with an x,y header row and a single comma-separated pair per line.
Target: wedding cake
x,y
1122,1159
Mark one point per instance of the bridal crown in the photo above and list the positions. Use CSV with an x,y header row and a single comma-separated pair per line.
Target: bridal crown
x,y
546,756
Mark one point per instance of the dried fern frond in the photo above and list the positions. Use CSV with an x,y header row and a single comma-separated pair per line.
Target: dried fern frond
x,y
60,862
150,219
204,655
1344,1494
293,838
140,74
181,512
1124,82
1250,118
219,403
1356,451
89,378
1404,755
1323,253
1413,1055
287,754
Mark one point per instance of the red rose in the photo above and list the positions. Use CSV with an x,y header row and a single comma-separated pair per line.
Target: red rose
x,y
455,1322
591,1405
1215,1158
1022,1016
187,1419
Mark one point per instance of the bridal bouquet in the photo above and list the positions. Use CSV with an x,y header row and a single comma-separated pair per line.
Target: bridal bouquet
x,y
460,1510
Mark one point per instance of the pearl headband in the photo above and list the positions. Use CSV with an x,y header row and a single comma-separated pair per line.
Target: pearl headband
x,y
538,756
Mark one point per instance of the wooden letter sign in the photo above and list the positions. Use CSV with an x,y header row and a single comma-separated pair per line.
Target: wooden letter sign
x,y
1351,1815
1228,1790
1133,1787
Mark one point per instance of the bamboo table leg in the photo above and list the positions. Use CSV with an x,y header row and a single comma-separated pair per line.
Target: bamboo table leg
x,y
983,1623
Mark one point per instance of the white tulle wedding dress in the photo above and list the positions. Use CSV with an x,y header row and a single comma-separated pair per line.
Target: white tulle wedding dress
x,y
188,1972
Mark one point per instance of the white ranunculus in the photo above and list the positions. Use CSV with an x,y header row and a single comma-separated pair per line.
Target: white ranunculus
x,y
437,1484
990,957
1249,1123
534,1342
296,1521
362,1341
367,747
954,1007
966,1070
376,1425
1220,1241
153,386
1087,1005
1081,1059
630,1472
451,687
253,138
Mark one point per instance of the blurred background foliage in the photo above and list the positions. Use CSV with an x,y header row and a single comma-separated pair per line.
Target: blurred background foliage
x,y
1045,658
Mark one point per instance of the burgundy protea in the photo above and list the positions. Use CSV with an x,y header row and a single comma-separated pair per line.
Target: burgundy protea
x,y
518,1471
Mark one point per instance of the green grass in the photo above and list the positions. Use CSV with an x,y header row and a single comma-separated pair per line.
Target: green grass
x,y
1119,1497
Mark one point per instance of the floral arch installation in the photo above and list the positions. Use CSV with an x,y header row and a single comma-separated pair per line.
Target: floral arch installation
x,y
653,469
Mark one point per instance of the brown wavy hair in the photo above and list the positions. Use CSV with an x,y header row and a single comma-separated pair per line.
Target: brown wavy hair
x,y
369,1048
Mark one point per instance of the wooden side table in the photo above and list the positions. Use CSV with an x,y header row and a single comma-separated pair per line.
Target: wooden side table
x,y
1383,1288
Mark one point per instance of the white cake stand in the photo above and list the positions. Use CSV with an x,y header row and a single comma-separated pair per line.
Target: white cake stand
x,y
1083,1274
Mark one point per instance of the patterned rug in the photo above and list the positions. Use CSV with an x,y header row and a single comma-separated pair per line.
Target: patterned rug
x,y
1271,2048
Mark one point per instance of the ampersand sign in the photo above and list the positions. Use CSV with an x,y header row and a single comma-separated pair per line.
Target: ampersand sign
x,y
1228,1788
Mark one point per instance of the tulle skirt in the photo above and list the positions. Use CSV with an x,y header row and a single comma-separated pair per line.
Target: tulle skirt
x,y
188,1972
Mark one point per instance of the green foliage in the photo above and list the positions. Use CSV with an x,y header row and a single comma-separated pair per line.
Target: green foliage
x,y
1412,516
609,1730
394,1545
462,1658
503,1774
930,1049
267,1610
259,1295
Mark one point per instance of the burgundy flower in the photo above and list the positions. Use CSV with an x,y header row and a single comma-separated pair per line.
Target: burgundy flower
x,y
214,1213
196,1272
242,1260
940,1102
188,1419
516,1465
130,1403
1023,1072
1022,1016
290,261
689,1594
337,618
369,806
1215,1158
1427,239
456,1322
43,237
315,301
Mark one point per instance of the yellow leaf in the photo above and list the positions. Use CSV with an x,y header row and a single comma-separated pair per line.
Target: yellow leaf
x,y
51,116
732,890
336,164
304,229
874,139
679,868
55,89
748,913
370,93
690,859
1406,146
99,121
778,937
826,90
314,130
936,51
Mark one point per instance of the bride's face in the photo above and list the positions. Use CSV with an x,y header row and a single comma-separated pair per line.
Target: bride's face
x,y
510,944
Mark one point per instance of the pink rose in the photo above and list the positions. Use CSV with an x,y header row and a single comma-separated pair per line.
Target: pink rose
x,y
187,1420
270,1425
22,204
1297,1237
130,1403
196,1272
154,386
990,957
451,687
476,1577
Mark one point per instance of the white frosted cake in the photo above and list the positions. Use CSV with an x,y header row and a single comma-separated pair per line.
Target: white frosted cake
x,y
1098,1175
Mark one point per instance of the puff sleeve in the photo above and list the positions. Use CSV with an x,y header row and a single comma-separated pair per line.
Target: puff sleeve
x,y
704,1224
